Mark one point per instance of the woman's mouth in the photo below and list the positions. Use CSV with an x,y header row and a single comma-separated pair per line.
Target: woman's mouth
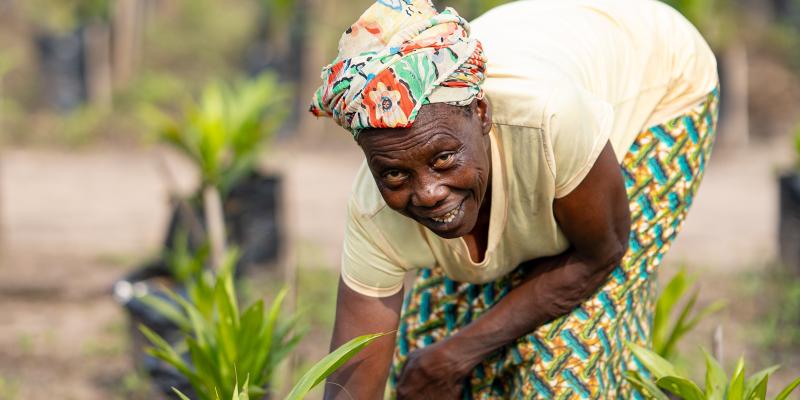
x,y
449,216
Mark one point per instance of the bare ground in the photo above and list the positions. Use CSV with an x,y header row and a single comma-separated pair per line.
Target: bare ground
x,y
72,223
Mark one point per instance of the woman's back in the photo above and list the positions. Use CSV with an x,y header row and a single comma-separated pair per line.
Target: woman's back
x,y
640,56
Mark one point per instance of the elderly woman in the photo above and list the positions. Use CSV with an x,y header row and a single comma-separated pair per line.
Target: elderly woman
x,y
532,170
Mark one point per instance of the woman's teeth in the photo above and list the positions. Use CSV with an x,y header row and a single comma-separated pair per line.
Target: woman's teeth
x,y
449,217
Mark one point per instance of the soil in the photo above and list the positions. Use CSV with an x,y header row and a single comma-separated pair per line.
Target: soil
x,y
73,222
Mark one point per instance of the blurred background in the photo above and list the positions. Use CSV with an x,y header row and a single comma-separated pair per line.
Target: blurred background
x,y
99,98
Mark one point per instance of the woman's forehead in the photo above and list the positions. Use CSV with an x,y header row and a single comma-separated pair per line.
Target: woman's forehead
x,y
435,121
409,146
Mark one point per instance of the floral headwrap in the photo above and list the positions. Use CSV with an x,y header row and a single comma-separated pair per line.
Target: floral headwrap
x,y
399,55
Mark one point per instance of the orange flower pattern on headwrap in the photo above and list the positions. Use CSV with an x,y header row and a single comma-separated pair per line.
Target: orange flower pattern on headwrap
x,y
399,55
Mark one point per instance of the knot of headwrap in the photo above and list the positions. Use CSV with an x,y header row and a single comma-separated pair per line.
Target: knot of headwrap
x,y
399,55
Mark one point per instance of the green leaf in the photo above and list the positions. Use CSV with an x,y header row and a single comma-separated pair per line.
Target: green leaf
x,y
679,329
657,365
181,395
753,383
784,394
736,386
682,387
705,312
759,392
167,309
669,296
329,364
646,387
716,379
165,352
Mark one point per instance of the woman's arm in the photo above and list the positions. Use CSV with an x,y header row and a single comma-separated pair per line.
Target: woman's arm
x,y
595,217
364,376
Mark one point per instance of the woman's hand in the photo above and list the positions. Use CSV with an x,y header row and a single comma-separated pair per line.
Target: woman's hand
x,y
431,373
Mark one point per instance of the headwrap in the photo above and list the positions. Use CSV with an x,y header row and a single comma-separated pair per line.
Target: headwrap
x,y
399,55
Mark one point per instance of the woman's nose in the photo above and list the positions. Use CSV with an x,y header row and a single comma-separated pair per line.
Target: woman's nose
x,y
428,192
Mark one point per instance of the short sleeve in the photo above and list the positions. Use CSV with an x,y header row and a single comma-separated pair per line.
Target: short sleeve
x,y
577,126
366,267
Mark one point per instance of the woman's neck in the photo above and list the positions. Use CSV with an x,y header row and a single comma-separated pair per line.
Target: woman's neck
x,y
478,239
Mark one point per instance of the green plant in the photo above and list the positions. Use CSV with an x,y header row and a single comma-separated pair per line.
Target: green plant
x,y
797,141
777,291
718,386
665,334
183,265
238,394
222,341
223,132
330,363
65,15
316,374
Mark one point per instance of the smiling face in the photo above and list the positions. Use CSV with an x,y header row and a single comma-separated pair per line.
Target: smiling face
x,y
437,172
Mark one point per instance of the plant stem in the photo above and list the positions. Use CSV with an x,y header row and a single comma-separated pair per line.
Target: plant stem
x,y
212,207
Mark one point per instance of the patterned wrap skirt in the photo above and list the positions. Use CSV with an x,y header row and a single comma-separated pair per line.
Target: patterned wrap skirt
x,y
580,355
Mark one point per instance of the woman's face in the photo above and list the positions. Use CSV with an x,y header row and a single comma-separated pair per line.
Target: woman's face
x,y
436,172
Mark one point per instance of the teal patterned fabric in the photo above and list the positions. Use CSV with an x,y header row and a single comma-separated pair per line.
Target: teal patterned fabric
x,y
580,355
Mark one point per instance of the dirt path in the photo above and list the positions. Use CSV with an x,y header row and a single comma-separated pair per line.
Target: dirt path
x,y
72,223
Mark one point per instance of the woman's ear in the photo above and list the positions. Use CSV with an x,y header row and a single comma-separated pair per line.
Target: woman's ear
x,y
484,112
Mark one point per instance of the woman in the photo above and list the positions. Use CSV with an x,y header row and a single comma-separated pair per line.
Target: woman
x,y
532,171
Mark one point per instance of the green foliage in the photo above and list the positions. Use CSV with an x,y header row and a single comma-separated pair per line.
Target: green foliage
x,y
666,379
183,265
329,364
9,389
315,375
715,19
223,132
65,15
797,141
666,335
777,291
224,342
238,394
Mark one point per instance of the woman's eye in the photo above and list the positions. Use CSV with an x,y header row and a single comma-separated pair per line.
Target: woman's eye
x,y
443,161
394,176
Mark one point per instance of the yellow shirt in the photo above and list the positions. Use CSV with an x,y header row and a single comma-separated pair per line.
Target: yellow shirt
x,y
564,77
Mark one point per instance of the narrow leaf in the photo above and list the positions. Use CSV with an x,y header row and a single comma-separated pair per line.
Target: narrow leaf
x,y
181,395
736,386
784,394
657,365
755,380
682,387
168,310
646,387
716,379
329,364
669,296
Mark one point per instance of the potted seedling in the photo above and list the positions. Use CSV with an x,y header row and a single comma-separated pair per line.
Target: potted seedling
x,y
313,377
59,32
670,323
219,340
662,381
221,343
789,209
222,134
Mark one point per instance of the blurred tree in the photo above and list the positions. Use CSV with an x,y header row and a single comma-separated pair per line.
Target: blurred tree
x,y
717,21
280,45
72,38
64,16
